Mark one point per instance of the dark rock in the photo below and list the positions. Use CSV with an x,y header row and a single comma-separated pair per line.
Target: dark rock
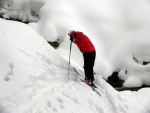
x,y
145,63
54,44
114,80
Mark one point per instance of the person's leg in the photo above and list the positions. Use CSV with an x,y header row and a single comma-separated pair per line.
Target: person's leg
x,y
86,65
92,61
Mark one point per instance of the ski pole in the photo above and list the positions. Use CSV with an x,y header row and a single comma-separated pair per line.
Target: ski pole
x,y
69,60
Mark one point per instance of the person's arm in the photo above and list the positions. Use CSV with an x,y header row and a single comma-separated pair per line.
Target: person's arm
x,y
79,42
72,39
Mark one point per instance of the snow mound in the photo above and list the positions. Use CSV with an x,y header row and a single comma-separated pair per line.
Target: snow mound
x,y
25,11
26,55
33,78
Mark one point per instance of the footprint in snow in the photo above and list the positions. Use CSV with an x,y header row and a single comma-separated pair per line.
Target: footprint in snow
x,y
59,100
9,73
49,104
54,110
61,106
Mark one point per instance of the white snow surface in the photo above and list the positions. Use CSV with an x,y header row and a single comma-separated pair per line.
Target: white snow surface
x,y
34,76
118,29
34,80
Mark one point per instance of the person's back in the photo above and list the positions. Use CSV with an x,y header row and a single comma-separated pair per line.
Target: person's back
x,y
83,42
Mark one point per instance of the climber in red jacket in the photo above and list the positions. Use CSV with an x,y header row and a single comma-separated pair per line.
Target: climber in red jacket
x,y
89,54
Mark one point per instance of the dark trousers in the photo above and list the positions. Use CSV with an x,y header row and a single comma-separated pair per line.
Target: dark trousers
x,y
89,60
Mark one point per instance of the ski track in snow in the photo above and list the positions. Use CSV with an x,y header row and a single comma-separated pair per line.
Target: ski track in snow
x,y
9,74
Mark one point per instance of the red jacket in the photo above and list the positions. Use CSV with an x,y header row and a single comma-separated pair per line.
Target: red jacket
x,y
83,42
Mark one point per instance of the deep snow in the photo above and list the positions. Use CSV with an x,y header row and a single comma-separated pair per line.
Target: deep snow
x,y
34,75
34,80
118,29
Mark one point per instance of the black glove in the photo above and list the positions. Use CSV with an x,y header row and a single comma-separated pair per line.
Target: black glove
x,y
71,38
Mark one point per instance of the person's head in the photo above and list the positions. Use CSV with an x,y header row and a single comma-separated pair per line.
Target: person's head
x,y
72,33
69,33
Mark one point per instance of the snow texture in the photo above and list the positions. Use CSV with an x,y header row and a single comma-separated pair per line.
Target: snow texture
x,y
33,75
118,29
34,80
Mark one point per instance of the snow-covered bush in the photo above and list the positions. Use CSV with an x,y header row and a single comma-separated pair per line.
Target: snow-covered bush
x,y
22,10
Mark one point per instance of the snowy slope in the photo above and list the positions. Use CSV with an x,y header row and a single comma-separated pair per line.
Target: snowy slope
x,y
33,80
118,29
33,77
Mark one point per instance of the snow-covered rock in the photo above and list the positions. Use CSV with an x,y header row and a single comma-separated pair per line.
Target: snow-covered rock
x,y
25,11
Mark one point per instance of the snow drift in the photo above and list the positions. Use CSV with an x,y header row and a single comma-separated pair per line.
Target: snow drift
x,y
118,29
34,78
33,75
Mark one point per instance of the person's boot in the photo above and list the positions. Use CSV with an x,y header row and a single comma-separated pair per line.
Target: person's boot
x,y
88,82
92,84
